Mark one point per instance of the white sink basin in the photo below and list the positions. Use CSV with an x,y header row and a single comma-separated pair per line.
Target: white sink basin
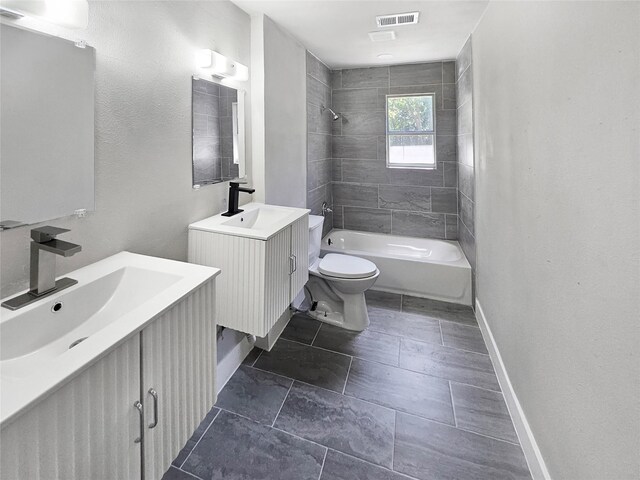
x,y
261,218
114,299
258,221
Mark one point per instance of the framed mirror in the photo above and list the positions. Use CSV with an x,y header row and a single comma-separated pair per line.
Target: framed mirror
x,y
218,132
47,135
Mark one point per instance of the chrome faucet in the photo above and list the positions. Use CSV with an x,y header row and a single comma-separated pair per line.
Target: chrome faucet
x,y
44,248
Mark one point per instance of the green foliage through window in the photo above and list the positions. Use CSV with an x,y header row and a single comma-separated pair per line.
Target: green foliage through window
x,y
411,131
410,113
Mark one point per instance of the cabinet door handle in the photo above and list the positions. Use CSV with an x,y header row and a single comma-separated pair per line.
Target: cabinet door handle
x,y
138,407
295,263
290,264
154,394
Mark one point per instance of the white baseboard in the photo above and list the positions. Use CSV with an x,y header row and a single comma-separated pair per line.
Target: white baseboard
x,y
527,441
234,346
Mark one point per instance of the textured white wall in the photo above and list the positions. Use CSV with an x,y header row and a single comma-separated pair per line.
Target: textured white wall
x,y
144,200
285,118
279,115
556,96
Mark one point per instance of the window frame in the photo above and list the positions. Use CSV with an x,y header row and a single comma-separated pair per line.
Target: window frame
x,y
423,166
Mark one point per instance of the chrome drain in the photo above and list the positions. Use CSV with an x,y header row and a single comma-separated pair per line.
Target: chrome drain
x,y
80,340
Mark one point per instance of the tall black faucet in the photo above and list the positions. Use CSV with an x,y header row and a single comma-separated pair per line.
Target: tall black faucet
x,y
234,191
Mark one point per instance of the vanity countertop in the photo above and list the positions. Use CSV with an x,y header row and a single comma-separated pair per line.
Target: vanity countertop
x,y
44,345
258,221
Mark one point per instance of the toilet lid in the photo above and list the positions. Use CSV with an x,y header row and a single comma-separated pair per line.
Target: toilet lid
x,y
346,266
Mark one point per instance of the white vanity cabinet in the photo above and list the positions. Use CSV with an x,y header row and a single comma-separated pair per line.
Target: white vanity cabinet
x,y
84,430
263,268
105,422
178,364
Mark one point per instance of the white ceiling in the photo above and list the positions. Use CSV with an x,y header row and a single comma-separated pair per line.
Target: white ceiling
x,y
336,30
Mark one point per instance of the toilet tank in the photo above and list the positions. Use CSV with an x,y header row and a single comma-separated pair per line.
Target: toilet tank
x,y
315,237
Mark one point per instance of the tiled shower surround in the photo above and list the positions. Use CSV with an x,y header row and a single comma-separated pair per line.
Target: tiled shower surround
x,y
466,168
367,195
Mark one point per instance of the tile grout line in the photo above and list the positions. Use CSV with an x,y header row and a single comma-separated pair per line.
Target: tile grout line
x,y
393,446
257,358
385,364
347,354
315,336
282,405
324,459
446,346
298,437
325,389
372,464
315,346
453,405
201,436
462,429
184,471
346,379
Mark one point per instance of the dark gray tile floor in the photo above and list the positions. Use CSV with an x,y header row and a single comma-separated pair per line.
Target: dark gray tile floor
x,y
415,396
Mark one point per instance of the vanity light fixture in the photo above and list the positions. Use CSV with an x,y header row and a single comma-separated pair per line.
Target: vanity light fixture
x,y
217,65
68,13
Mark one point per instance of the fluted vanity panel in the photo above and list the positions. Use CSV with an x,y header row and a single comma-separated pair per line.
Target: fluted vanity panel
x,y
85,430
300,248
257,279
178,362
278,269
240,292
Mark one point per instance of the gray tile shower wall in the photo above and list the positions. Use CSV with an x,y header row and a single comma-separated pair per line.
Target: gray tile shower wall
x,y
367,195
319,141
466,168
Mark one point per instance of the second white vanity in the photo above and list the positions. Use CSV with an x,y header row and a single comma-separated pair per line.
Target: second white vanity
x,y
263,254
108,378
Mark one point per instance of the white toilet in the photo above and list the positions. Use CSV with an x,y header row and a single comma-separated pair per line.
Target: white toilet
x,y
337,283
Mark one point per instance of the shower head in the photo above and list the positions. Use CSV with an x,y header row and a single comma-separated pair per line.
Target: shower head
x,y
335,115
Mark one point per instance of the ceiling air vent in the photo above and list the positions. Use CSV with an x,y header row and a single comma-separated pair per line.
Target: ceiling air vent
x,y
397,19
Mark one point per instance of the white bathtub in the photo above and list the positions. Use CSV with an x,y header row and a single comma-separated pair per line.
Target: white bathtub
x,y
420,267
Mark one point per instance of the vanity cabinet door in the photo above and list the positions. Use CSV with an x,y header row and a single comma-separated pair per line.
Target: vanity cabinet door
x,y
278,267
84,430
178,384
300,252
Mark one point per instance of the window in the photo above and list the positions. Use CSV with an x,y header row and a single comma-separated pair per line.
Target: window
x,y
411,131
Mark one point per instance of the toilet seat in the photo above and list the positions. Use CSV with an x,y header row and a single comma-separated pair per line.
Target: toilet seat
x,y
346,266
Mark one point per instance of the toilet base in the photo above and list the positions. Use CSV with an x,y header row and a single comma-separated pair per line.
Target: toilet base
x,y
348,311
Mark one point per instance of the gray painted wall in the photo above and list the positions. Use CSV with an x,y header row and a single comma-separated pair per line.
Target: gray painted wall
x,y
319,188
556,95
144,198
367,195
466,165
